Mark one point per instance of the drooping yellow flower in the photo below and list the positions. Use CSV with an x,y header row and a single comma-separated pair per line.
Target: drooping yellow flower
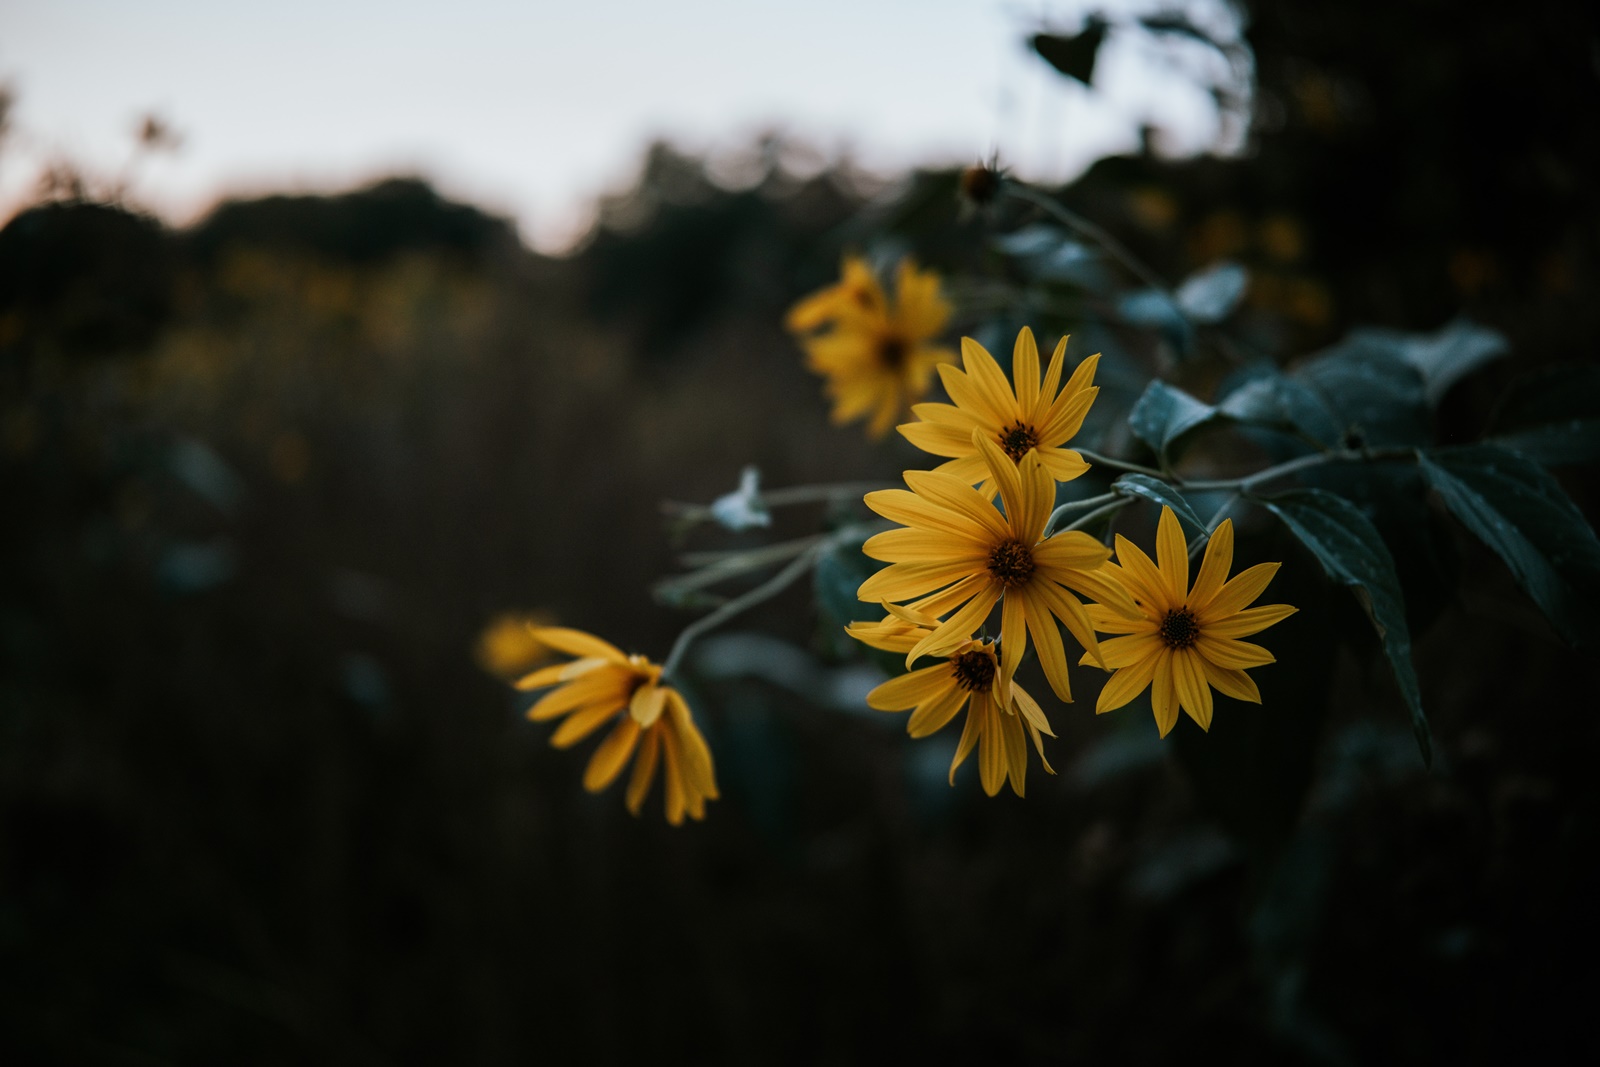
x,y
959,554
875,353
999,713
602,685
1028,417
1185,642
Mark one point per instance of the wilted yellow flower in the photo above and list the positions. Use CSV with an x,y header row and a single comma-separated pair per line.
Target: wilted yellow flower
x,y
1185,642
874,352
1030,417
506,646
602,685
959,553
999,712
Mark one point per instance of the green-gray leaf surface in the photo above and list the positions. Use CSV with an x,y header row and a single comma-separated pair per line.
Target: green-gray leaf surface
x,y
1348,546
1164,413
1159,492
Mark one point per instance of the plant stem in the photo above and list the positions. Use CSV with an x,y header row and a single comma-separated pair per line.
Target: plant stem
x,y
1105,509
1072,220
765,591
1073,505
1211,525
1117,464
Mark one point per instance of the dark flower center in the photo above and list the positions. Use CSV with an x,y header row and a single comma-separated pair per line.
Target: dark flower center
x,y
1016,441
1011,562
892,352
974,671
1180,628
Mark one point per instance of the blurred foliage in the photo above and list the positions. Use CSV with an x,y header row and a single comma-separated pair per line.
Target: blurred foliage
x,y
267,478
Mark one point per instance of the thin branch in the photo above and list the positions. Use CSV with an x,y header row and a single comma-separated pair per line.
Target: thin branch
x,y
1072,220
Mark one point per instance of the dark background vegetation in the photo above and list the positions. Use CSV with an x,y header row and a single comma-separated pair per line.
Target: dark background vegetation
x,y
265,479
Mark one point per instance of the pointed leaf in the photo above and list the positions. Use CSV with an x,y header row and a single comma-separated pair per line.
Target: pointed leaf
x,y
1348,546
1159,492
1516,508
1210,295
1164,413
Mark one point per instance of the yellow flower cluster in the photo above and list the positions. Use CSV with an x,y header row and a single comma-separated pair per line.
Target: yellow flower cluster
x,y
956,556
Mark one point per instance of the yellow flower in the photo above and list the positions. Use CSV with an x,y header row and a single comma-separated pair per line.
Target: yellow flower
x,y
874,353
1031,417
998,712
506,646
1185,641
603,684
959,553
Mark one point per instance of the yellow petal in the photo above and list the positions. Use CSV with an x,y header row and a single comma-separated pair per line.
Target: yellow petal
x,y
1013,632
1062,464
1236,684
578,643
696,753
549,675
1066,607
647,702
1030,710
1231,653
1190,680
957,629
1025,370
582,723
991,746
925,546
936,439
1047,388
1065,419
608,688
1163,697
1004,473
1243,588
969,737
611,755
909,690
644,770
1038,498
1125,651
959,496
1015,739
902,581
970,398
1247,622
990,381
946,415
1172,555
1143,578
1127,683
1047,640
672,773
909,509
1213,568
932,716
946,600
1108,621
1070,550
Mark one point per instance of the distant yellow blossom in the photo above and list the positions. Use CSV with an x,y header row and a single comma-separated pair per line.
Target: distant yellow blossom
x,y
1000,714
506,647
1185,641
604,684
875,353
1028,417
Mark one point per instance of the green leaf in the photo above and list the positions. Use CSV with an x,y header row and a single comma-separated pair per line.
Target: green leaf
x,y
1072,56
1153,489
1375,396
838,574
1271,398
1163,414
1051,255
1348,546
1210,295
1446,357
1516,508
1552,416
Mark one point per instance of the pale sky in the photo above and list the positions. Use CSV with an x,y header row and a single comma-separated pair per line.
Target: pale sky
x,y
534,109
